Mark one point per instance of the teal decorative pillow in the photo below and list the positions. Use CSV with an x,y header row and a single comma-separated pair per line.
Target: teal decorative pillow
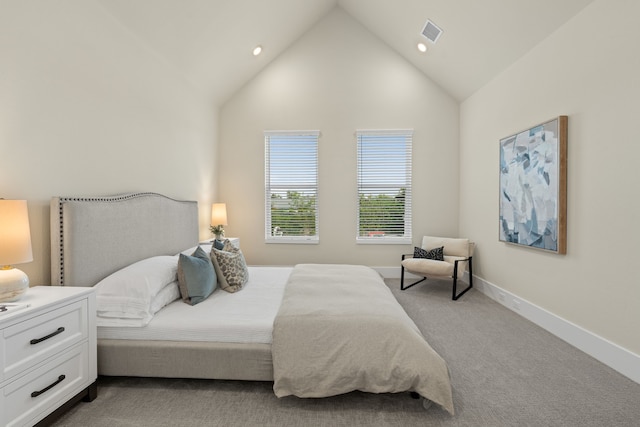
x,y
230,267
435,253
196,276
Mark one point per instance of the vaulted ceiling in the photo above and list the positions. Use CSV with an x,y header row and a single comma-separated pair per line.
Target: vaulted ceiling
x,y
210,42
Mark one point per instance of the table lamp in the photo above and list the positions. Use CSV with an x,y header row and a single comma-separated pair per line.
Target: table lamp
x,y
218,219
15,248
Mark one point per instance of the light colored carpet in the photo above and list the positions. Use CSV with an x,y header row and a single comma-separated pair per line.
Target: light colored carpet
x,y
505,371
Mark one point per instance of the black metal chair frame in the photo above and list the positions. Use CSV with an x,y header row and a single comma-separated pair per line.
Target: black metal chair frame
x,y
454,296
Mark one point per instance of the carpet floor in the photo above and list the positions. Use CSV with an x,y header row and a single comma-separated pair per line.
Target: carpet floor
x,y
505,371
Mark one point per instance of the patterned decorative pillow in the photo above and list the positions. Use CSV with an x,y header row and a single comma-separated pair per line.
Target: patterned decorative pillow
x,y
419,252
230,267
435,253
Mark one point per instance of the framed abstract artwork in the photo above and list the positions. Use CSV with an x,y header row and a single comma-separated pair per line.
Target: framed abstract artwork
x,y
533,187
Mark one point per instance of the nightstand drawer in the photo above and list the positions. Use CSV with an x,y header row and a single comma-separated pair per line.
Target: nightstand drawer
x,y
30,342
29,398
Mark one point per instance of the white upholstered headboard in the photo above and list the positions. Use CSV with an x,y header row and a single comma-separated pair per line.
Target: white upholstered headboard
x,y
92,237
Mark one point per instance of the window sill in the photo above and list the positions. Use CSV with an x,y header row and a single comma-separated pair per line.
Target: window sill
x,y
293,240
383,241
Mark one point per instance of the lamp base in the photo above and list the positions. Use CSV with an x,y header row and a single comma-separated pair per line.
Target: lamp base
x,y
13,283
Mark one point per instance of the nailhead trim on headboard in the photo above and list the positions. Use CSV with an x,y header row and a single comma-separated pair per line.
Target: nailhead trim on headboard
x,y
62,200
60,245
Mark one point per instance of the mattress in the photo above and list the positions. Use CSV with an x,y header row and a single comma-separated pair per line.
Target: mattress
x,y
243,317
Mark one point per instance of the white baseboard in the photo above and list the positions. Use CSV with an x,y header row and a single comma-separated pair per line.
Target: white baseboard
x,y
611,354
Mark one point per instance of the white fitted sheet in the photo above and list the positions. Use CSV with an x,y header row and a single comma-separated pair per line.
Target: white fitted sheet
x,y
245,316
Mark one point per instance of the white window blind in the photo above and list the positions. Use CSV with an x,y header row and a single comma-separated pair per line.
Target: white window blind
x,y
291,186
384,186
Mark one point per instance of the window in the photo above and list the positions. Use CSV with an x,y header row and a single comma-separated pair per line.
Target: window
x,y
384,186
291,186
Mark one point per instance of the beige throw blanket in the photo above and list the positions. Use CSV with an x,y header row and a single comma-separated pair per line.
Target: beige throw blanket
x,y
340,329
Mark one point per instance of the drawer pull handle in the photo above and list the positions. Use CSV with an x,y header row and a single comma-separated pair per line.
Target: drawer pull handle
x,y
44,390
51,335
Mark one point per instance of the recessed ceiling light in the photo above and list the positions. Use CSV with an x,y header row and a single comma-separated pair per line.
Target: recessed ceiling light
x,y
422,47
257,50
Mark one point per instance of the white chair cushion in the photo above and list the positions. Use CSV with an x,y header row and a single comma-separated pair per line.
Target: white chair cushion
x,y
455,247
428,267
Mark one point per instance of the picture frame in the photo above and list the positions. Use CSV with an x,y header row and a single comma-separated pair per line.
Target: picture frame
x,y
533,187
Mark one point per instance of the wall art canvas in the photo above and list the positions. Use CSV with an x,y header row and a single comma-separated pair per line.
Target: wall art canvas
x,y
533,184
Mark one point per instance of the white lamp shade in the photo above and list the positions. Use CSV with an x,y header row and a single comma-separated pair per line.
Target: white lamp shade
x,y
219,214
15,235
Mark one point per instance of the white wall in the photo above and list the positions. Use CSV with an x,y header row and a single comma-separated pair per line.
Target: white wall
x,y
338,78
589,70
86,109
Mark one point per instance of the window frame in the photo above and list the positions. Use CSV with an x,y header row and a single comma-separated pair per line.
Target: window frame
x,y
407,134
269,187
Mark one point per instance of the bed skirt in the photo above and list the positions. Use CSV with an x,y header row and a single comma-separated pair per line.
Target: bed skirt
x,y
175,359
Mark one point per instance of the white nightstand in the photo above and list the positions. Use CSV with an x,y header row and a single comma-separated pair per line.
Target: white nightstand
x,y
48,354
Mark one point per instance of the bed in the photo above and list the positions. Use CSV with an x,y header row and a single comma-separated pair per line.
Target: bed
x,y
304,327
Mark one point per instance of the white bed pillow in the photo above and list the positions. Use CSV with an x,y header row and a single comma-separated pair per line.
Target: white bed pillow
x,y
167,295
128,294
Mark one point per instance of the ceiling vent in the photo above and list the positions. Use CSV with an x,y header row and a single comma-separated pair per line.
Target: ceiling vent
x,y
432,32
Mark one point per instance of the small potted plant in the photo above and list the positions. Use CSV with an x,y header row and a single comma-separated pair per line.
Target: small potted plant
x,y
218,231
